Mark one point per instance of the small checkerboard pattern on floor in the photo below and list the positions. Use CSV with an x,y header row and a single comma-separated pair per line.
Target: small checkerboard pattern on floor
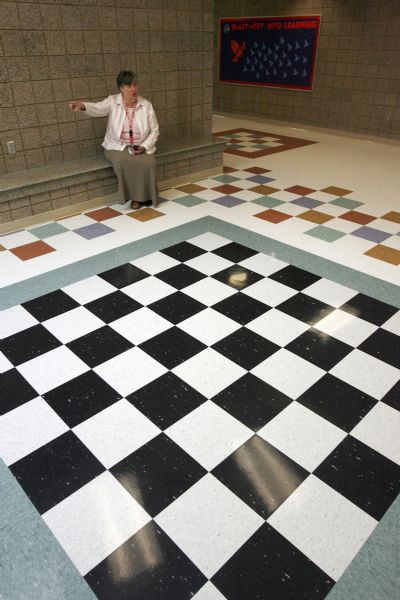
x,y
206,421
251,143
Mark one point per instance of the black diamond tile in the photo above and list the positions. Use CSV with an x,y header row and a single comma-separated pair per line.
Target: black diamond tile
x,y
99,346
14,391
269,566
319,348
28,344
252,401
81,398
237,277
124,275
246,348
183,251
392,398
50,305
383,345
172,347
180,276
154,568
166,400
369,309
56,471
337,402
113,306
262,476
368,479
234,252
161,470
304,308
294,277
241,308
177,307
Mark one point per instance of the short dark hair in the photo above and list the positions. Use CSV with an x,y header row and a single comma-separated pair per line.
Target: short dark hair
x,y
126,78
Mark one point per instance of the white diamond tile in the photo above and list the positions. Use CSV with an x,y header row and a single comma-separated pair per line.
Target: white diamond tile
x,y
94,521
200,522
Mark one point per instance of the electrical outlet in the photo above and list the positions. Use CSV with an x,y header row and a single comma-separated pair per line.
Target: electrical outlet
x,y
11,147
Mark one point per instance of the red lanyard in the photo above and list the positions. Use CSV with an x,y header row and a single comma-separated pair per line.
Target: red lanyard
x,y
130,115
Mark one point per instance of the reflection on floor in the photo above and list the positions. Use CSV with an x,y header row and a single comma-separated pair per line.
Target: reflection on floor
x,y
209,419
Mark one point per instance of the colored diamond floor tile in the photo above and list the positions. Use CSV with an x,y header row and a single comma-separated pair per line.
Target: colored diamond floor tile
x,y
202,400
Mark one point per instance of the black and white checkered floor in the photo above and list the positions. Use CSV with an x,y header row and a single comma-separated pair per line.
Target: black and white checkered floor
x,y
205,422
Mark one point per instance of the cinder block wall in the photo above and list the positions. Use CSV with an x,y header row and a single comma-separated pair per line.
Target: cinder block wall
x,y
357,80
52,51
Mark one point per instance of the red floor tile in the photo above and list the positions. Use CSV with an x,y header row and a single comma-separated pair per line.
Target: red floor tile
x,y
299,189
357,217
226,188
257,170
273,216
33,250
102,214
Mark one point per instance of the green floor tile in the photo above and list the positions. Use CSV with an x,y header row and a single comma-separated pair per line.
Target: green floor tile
x,y
325,233
346,203
189,200
45,231
268,202
226,178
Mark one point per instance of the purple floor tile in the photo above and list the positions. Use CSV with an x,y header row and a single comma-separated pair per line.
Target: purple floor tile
x,y
306,202
90,232
260,179
228,201
373,235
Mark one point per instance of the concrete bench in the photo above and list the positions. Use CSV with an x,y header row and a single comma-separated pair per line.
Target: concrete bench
x,y
48,192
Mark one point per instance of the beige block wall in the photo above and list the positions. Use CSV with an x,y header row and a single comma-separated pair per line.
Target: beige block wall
x,y
54,51
357,79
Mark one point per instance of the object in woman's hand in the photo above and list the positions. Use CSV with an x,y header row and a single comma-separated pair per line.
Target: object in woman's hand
x,y
133,148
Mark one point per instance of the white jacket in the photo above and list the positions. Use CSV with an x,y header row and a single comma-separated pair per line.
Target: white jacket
x,y
113,107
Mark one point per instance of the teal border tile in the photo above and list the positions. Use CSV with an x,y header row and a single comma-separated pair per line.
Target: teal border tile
x,y
374,573
33,565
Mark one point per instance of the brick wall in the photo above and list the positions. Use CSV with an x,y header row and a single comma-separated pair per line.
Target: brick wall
x,y
357,79
54,51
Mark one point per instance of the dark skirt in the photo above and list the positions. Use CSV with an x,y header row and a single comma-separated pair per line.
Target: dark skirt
x,y
136,174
